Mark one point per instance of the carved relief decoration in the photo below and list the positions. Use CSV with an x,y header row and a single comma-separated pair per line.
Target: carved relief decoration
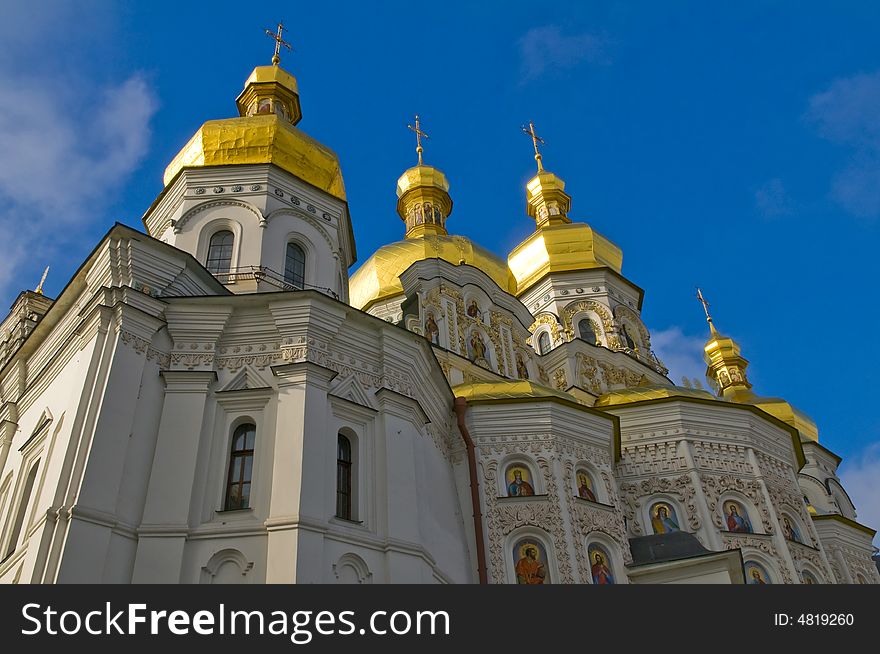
x,y
763,545
634,495
714,486
504,517
601,310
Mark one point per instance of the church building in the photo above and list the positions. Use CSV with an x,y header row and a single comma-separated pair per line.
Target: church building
x,y
215,399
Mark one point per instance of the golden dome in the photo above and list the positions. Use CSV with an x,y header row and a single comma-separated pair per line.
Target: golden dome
x,y
379,277
422,176
508,390
780,409
642,393
557,245
423,201
561,248
727,369
265,133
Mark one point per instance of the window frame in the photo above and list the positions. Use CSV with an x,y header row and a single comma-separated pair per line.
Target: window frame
x,y
208,256
291,278
344,470
234,457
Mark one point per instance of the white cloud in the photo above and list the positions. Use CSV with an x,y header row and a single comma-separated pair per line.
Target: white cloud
x,y
861,478
67,146
772,199
546,48
848,113
682,354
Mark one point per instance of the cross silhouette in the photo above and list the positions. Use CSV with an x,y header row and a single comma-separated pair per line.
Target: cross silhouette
x,y
530,131
279,42
706,309
419,134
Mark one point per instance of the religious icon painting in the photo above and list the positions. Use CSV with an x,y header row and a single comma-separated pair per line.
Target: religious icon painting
x,y
519,481
585,485
809,577
756,574
264,106
600,565
736,517
663,518
530,562
790,530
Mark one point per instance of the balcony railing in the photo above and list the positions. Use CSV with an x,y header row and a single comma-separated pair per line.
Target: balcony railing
x,y
269,276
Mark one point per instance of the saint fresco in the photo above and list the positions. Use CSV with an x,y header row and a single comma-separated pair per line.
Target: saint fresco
x,y
585,486
600,566
663,518
519,482
809,578
736,518
530,562
477,348
756,574
432,331
791,532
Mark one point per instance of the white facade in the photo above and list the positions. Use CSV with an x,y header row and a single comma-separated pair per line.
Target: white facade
x,y
121,401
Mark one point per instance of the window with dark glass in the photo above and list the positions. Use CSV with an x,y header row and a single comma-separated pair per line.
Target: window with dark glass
x,y
22,509
220,252
543,343
585,329
630,343
295,266
241,464
343,477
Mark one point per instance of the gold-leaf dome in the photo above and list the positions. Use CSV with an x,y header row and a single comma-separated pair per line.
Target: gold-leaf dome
x,y
379,277
264,133
726,369
653,392
518,389
424,204
561,248
557,244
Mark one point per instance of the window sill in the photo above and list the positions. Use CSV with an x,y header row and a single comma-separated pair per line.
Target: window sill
x,y
228,513
346,522
594,502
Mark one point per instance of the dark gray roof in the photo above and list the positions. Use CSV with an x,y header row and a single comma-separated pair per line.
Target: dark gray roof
x,y
665,547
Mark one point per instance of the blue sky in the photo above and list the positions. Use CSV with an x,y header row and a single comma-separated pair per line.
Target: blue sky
x,y
734,146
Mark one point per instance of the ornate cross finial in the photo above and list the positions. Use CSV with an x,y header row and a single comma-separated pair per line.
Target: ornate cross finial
x,y
39,288
279,43
530,131
706,309
419,134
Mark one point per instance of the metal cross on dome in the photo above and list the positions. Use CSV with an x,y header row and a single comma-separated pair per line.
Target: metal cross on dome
x,y
419,134
530,131
706,309
279,43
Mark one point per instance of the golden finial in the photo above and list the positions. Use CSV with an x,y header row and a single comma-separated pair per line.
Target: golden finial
x,y
279,42
530,131
39,288
419,134
706,309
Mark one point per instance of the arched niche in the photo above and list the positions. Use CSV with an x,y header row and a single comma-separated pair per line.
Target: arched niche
x,y
228,566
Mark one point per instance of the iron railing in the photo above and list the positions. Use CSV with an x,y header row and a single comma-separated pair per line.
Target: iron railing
x,y
266,274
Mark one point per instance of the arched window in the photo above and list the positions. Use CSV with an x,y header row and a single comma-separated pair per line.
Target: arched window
x,y
295,266
241,464
543,343
22,509
585,330
220,252
627,338
343,477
